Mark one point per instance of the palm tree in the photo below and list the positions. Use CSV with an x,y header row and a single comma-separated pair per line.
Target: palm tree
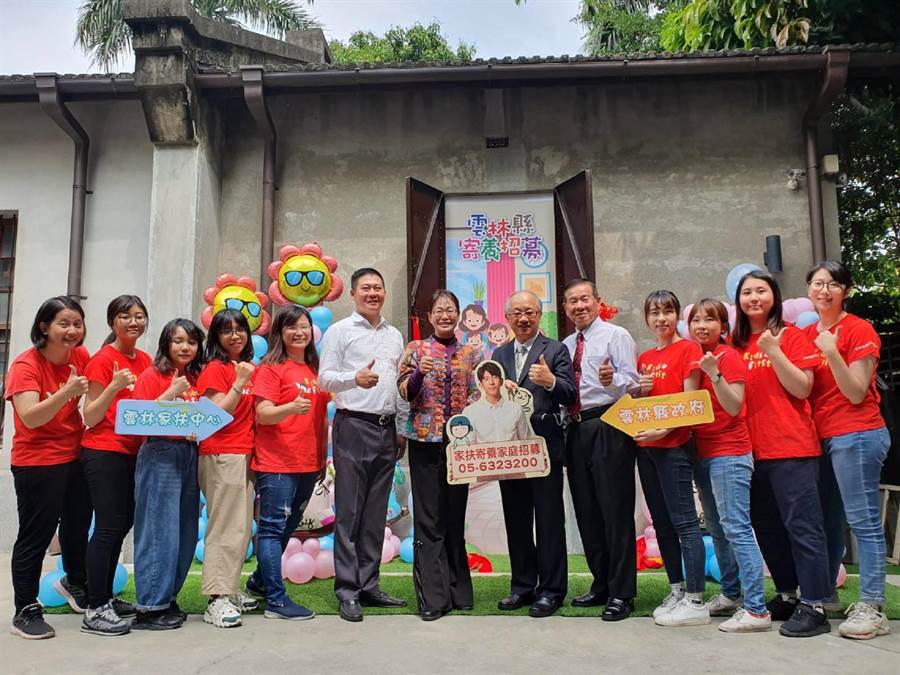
x,y
102,33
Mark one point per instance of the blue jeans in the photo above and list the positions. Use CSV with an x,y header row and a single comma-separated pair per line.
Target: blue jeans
x,y
282,499
855,460
166,509
667,478
724,486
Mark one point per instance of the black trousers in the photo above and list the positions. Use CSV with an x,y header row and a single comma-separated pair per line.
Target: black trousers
x,y
787,518
533,508
600,467
441,565
110,480
364,457
47,496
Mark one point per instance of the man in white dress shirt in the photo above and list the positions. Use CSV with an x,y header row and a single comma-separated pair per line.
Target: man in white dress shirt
x,y
600,458
359,358
494,416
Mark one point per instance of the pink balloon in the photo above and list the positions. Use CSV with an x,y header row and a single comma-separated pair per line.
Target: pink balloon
x,y
766,571
686,312
652,549
732,316
331,497
325,565
395,542
650,533
300,567
294,545
311,546
284,558
317,334
805,305
387,551
841,577
387,533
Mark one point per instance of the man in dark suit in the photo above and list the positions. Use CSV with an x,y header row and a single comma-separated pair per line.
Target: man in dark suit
x,y
543,367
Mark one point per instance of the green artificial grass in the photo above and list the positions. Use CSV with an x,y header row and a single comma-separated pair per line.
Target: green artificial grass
x,y
653,586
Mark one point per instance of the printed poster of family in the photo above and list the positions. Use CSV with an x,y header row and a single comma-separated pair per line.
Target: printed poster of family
x,y
497,245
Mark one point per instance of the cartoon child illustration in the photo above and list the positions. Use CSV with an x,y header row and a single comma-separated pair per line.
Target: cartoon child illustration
x,y
473,319
498,334
460,428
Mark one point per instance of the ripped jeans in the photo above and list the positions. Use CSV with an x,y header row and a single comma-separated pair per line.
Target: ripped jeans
x,y
282,499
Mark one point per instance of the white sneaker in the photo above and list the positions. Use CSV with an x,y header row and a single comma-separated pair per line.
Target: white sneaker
x,y
222,613
244,602
864,622
670,601
744,622
721,605
684,613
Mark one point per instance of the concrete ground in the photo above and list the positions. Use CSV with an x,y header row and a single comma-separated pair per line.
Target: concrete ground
x,y
403,645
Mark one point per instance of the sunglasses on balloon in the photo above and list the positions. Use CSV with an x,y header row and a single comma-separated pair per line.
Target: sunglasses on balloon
x,y
314,277
253,308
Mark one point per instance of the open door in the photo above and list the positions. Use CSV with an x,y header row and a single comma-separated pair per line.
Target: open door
x,y
573,210
425,250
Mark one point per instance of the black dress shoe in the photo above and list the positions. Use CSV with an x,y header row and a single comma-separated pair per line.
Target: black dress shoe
x,y
463,608
159,619
589,599
617,609
432,614
381,599
543,607
514,601
351,610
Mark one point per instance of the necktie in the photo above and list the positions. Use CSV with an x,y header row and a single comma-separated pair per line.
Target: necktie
x,y
521,353
575,408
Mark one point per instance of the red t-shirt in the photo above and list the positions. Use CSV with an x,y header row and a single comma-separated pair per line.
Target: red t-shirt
x,y
725,435
237,437
152,383
59,440
780,424
103,436
670,367
297,443
832,412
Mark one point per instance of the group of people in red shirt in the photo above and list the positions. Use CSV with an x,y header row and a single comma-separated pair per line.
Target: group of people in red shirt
x,y
796,446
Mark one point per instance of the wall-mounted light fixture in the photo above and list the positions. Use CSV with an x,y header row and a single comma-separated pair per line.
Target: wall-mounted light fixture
x,y
772,254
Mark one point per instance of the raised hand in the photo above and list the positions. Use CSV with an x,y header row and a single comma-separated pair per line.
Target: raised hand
x,y
540,374
426,364
365,377
709,364
606,372
302,405
179,385
770,343
243,372
827,342
646,381
76,385
121,379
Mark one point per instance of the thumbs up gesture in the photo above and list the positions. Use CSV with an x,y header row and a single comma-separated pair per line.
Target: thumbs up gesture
x,y
302,405
76,385
121,379
646,381
179,385
540,374
426,364
606,372
827,342
365,377
770,343
243,371
709,364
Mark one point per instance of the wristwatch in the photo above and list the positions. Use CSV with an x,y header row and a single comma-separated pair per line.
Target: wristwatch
x,y
717,377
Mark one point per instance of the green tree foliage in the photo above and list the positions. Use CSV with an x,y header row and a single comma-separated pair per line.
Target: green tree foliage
x,y
620,26
400,45
103,34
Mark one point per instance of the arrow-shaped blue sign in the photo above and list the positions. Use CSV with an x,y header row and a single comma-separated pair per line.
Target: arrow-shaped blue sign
x,y
202,418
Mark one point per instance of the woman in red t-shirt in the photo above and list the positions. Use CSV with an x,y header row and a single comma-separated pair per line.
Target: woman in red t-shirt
x,y
723,471
665,461
224,471
784,497
45,384
167,500
855,441
109,460
291,435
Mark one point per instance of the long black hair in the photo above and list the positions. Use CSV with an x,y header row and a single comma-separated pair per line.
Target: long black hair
x,y
162,361
742,330
121,305
277,352
47,312
224,320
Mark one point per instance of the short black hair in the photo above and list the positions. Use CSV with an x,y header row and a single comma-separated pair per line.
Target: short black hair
x,y
488,367
47,312
443,293
364,271
836,269
120,305
664,299
227,318
577,282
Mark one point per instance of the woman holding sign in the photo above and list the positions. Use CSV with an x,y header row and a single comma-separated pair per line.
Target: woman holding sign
x,y
165,484
665,461
45,384
784,495
854,439
224,467
109,461
723,470
437,377
291,439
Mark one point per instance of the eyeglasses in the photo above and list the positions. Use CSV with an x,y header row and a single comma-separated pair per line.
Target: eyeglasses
x,y
228,332
128,318
315,277
444,312
818,285
253,308
519,313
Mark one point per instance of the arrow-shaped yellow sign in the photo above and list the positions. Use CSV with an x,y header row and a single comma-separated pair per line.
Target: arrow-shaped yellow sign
x,y
633,415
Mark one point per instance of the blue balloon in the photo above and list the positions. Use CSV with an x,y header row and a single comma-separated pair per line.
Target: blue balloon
x,y
60,564
322,317
91,528
120,579
48,596
734,277
806,319
331,408
712,568
253,528
260,347
249,551
198,551
201,528
710,548
202,498
682,329
204,513
326,543
407,551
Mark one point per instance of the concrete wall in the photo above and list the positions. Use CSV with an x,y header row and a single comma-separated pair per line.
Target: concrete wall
x,y
688,178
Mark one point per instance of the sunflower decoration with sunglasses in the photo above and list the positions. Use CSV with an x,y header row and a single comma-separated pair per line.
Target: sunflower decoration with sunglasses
x,y
304,276
231,292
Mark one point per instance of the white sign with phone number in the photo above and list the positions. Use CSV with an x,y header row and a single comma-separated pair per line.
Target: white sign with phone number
x,y
498,460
